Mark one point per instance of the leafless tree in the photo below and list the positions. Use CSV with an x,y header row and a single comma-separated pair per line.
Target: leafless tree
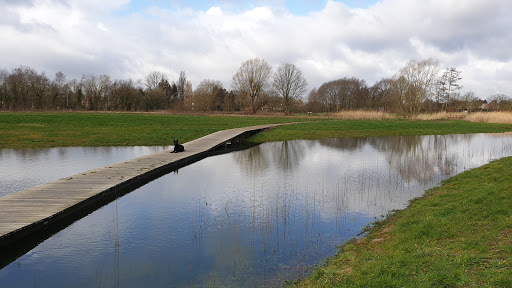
x,y
19,88
470,101
500,101
189,97
158,93
3,89
39,87
289,84
124,96
252,82
59,96
95,88
449,85
76,91
205,95
153,80
414,84
314,103
328,95
345,93
380,95
182,86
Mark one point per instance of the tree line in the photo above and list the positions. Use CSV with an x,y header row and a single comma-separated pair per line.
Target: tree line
x,y
26,89
420,86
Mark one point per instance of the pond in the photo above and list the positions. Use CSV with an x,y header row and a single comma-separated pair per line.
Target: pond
x,y
25,168
250,218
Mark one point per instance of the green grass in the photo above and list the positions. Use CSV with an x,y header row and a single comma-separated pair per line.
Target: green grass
x,y
33,130
112,129
367,128
457,235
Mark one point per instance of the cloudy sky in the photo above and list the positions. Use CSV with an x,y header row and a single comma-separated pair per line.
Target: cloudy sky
x,y
209,39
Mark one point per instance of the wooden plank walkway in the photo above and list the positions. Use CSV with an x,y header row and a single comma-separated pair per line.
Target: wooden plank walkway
x,y
32,210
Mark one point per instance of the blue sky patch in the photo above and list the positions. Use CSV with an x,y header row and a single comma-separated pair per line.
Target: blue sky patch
x,y
296,7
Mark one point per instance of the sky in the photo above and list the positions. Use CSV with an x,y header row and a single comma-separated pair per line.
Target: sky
x,y
210,39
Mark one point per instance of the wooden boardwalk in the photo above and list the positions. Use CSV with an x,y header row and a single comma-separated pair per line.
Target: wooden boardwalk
x,y
33,210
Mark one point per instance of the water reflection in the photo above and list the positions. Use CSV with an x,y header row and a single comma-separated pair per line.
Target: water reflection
x,y
285,155
250,218
25,168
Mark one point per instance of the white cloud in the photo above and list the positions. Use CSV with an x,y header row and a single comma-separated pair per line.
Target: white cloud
x,y
90,37
214,11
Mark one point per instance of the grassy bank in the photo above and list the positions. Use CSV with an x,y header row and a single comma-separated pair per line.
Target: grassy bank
x,y
457,235
124,129
113,129
386,127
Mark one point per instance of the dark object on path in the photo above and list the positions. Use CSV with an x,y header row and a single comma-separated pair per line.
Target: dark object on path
x,y
178,147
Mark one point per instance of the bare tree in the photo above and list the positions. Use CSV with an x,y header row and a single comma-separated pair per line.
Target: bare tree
x,y
449,85
165,87
154,79
60,92
314,103
289,84
39,88
3,88
380,95
414,84
328,95
252,81
470,100
500,101
189,91
345,93
76,90
182,86
204,95
95,88
158,92
19,89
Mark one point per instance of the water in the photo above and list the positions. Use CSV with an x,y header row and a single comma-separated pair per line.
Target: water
x,y
24,168
251,218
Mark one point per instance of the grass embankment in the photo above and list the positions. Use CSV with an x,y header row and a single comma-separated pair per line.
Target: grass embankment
x,y
386,127
457,235
33,130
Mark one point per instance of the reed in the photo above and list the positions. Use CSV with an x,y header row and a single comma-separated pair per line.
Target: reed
x,y
362,115
490,117
431,116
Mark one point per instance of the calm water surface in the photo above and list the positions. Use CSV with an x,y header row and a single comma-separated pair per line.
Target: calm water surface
x,y
25,168
246,219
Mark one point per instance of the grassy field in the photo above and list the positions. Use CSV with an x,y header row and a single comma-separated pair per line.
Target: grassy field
x,y
457,235
18,130
113,129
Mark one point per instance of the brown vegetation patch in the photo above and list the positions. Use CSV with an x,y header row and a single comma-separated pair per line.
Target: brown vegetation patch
x,y
490,117
361,115
441,116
